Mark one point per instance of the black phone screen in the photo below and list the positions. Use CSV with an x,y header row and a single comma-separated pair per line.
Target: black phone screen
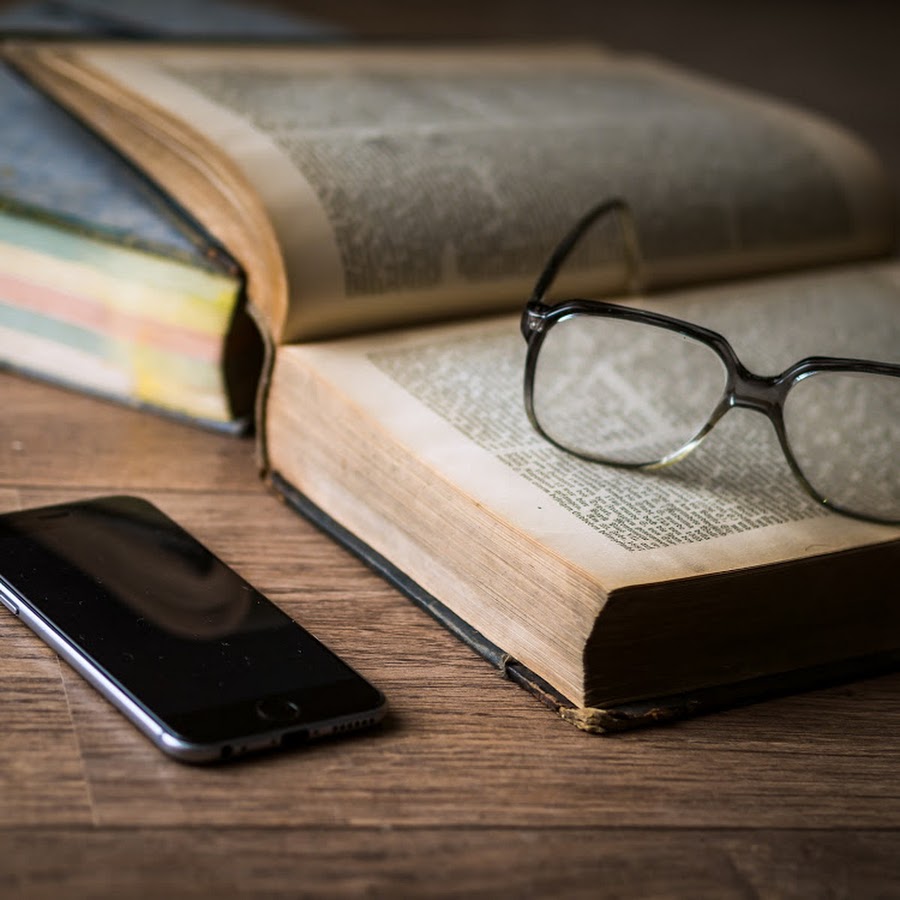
x,y
167,621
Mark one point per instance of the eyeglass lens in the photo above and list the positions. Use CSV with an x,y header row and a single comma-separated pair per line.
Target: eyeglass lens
x,y
843,429
624,392
634,393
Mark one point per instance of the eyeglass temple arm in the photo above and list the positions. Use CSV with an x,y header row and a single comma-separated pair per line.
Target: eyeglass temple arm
x,y
565,247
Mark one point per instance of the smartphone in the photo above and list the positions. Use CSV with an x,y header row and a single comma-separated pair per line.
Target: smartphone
x,y
200,661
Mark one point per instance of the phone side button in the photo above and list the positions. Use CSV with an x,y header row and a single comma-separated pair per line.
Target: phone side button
x,y
9,604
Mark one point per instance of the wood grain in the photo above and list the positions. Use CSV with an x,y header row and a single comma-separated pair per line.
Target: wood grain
x,y
122,447
42,778
471,788
479,862
463,756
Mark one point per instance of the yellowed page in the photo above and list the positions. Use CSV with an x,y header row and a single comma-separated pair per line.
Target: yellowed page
x,y
451,396
418,443
407,184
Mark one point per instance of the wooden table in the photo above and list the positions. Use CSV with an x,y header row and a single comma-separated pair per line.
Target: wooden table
x,y
472,787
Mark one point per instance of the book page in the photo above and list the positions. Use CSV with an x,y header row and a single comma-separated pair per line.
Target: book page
x,y
406,184
452,398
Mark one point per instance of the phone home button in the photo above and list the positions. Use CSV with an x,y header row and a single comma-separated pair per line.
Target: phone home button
x,y
277,709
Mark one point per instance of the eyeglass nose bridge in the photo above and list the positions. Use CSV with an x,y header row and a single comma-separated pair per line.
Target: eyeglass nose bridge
x,y
763,393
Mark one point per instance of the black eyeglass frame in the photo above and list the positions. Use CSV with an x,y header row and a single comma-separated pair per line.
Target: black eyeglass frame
x,y
743,388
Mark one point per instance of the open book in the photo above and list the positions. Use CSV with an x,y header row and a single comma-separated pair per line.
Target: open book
x,y
372,194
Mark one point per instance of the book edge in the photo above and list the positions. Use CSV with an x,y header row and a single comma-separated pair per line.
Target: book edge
x,y
607,720
239,426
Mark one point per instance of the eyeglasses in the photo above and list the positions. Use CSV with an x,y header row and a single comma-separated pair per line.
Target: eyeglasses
x,y
636,389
